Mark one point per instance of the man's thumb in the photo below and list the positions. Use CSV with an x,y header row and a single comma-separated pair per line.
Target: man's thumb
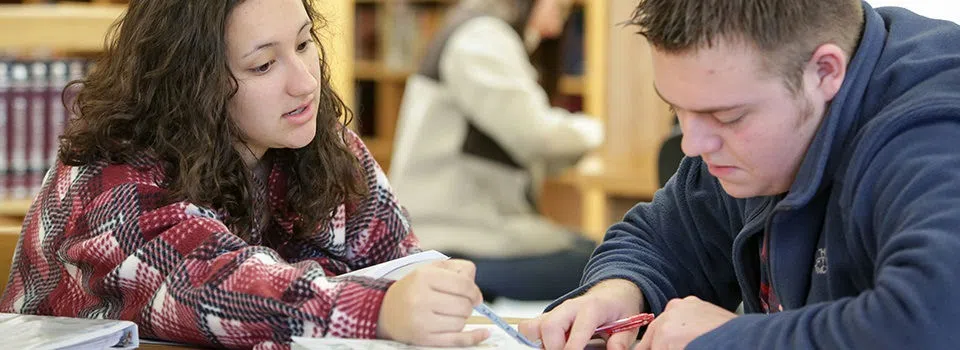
x,y
622,340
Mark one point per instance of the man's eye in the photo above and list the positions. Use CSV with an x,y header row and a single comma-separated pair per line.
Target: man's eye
x,y
733,121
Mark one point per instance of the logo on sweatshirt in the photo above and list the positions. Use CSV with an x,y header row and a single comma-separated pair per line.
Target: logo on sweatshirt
x,y
821,264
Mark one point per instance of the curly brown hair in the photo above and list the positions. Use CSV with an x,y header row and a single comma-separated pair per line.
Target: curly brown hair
x,y
162,86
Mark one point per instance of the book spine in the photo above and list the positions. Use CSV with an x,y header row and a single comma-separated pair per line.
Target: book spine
x,y
36,153
4,127
18,130
365,32
58,115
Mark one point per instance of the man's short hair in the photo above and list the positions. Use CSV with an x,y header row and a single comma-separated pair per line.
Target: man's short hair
x,y
785,32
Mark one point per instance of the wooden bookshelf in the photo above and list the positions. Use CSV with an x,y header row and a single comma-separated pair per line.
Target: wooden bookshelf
x,y
619,90
14,207
67,27
391,36
31,27
572,85
374,70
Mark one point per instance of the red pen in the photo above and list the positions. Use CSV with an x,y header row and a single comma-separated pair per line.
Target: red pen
x,y
624,324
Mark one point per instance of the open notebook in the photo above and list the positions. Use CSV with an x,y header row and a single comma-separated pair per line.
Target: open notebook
x,y
48,332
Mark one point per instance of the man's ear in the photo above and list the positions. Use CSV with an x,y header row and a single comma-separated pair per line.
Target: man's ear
x,y
826,70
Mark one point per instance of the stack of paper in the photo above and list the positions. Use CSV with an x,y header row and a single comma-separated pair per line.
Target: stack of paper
x,y
48,332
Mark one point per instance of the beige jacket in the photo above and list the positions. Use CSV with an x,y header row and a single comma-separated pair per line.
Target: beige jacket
x,y
462,203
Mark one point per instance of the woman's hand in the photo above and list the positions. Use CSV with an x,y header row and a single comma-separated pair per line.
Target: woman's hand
x,y
430,306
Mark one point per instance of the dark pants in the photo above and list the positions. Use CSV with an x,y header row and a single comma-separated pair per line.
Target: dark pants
x,y
540,277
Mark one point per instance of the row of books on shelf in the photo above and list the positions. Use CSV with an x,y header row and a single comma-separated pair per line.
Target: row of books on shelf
x,y
32,117
398,32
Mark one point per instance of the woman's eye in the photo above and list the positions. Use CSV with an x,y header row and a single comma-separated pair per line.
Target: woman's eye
x,y
303,45
263,68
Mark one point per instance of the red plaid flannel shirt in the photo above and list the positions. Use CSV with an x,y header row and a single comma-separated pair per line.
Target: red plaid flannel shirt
x,y
98,243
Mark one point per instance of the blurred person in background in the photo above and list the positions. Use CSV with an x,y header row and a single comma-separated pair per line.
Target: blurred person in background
x,y
475,139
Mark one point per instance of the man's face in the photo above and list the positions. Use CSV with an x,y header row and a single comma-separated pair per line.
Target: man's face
x,y
749,129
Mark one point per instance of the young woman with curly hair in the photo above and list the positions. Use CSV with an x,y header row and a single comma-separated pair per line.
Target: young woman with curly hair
x,y
208,191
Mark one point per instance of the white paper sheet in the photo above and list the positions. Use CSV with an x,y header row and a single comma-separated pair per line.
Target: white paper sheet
x,y
397,268
498,340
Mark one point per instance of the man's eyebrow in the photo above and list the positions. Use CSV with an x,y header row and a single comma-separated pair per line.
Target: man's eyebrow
x,y
307,24
710,110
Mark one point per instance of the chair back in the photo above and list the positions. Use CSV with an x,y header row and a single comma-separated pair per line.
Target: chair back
x,y
670,155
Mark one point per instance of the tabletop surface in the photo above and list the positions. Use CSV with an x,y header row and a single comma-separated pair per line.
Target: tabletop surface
x,y
471,320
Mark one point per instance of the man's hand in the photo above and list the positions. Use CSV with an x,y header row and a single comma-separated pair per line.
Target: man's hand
x,y
682,321
606,302
430,306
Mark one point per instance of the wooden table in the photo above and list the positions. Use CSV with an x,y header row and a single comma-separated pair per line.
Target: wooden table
x,y
471,320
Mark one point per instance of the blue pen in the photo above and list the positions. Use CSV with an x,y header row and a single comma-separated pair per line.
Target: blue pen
x,y
485,310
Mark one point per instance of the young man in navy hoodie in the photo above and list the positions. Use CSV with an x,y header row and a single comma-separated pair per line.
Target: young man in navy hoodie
x,y
821,186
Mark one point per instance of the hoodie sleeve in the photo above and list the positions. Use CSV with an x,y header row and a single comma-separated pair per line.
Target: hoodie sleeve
x,y
488,72
908,212
675,246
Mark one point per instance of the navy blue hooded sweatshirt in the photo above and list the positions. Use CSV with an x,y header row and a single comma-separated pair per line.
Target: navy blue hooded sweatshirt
x,y
864,248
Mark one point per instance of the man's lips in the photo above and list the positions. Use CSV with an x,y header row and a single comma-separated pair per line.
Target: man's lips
x,y
720,170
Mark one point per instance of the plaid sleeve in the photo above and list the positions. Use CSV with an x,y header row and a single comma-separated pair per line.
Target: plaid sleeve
x,y
377,228
179,274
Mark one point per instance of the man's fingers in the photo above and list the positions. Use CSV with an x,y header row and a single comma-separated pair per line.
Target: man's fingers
x,y
530,328
554,326
584,325
458,339
622,340
647,341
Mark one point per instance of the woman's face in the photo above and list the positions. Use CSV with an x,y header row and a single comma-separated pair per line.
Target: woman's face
x,y
548,16
277,65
